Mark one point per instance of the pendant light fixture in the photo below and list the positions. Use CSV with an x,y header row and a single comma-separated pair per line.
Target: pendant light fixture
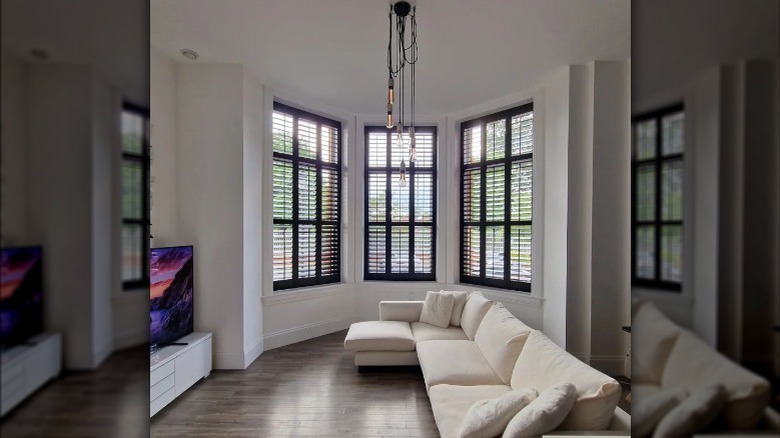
x,y
402,14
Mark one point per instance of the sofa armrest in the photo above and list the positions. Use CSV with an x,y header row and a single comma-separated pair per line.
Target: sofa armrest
x,y
400,310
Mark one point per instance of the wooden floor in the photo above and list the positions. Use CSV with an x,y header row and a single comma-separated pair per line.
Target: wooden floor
x,y
307,389
112,401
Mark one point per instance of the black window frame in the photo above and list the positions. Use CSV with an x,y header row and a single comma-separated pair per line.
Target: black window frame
x,y
388,170
483,163
319,164
658,160
145,221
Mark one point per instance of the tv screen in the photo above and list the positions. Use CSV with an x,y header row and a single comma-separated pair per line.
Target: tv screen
x,y
170,294
21,294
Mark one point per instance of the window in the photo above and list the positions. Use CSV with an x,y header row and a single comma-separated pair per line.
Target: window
x,y
657,199
135,196
400,220
306,198
496,199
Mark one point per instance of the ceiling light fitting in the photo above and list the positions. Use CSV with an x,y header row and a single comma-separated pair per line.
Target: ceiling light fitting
x,y
402,52
189,54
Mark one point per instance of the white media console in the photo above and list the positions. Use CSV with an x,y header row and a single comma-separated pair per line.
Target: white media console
x,y
173,369
27,367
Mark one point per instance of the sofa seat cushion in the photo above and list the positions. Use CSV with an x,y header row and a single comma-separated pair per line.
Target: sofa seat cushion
x,y
454,363
379,336
450,403
542,364
427,332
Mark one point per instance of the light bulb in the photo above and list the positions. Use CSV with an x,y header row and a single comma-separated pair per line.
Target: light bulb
x,y
390,92
389,116
412,145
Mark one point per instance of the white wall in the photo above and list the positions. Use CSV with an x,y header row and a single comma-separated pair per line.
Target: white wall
x,y
254,125
69,184
611,215
14,153
209,199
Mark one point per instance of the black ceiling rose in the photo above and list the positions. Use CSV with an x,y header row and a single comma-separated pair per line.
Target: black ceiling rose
x,y
402,8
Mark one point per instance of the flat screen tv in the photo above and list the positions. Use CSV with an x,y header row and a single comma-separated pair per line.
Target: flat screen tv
x,y
21,294
171,293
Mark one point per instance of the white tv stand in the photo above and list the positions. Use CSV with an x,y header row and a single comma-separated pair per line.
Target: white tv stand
x,y
173,369
27,367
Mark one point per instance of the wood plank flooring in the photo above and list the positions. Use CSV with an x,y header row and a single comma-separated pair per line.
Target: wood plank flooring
x,y
307,389
112,401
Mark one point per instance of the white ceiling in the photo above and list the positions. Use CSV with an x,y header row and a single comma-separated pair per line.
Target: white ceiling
x,y
334,51
113,36
674,40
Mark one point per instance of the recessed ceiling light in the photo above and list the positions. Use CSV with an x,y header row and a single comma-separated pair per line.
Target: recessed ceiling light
x,y
189,54
39,54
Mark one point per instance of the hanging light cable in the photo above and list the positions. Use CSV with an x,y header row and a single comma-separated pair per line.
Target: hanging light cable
x,y
396,83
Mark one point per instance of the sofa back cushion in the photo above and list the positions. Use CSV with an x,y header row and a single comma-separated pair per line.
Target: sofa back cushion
x,y
542,364
500,337
473,311
457,308
656,334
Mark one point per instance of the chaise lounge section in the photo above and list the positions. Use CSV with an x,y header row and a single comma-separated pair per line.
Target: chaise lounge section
x,y
488,354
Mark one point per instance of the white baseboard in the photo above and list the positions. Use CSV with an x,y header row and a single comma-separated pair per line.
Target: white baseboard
x,y
253,353
609,365
309,331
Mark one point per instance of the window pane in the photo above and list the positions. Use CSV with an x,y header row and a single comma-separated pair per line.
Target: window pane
x,y
645,192
645,252
495,137
330,144
282,132
671,253
132,189
520,254
330,194
644,139
283,190
672,190
307,138
423,197
377,249
399,244
472,145
377,149
377,197
522,185
471,251
672,137
132,251
494,195
472,183
424,149
132,133
523,134
494,252
307,192
283,251
307,251
399,199
423,250
330,250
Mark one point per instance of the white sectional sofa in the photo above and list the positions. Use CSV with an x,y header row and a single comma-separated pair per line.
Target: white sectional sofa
x,y
673,359
488,355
